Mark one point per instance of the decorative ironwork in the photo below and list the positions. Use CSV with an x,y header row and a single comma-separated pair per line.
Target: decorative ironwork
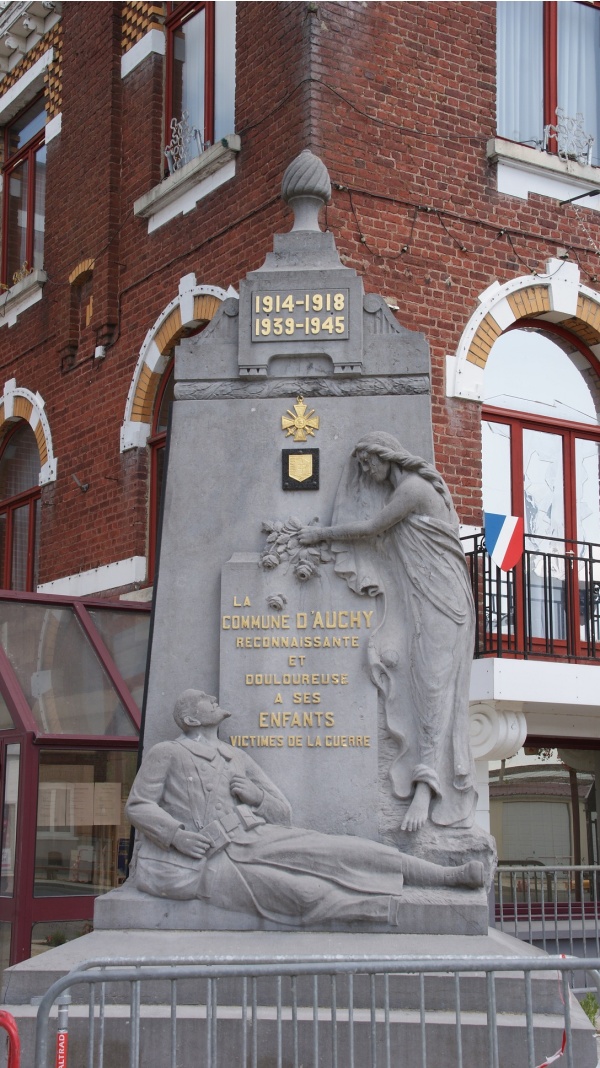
x,y
186,143
22,273
548,606
572,142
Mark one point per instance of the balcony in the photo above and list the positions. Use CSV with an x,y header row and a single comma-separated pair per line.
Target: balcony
x,y
547,607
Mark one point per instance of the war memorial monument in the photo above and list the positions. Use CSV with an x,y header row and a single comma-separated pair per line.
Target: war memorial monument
x,y
307,783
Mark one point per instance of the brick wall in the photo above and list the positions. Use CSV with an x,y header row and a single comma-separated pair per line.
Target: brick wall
x,y
399,99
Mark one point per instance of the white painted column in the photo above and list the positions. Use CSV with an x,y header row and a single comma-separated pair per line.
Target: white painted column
x,y
496,733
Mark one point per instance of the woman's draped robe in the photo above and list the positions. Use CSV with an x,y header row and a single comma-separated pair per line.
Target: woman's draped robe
x,y
421,652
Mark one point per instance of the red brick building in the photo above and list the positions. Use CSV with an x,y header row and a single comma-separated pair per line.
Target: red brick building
x,y
144,145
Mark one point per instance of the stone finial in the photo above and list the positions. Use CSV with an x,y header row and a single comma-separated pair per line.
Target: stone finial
x,y
306,188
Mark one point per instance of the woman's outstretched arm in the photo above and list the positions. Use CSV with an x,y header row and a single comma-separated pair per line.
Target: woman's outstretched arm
x,y
406,499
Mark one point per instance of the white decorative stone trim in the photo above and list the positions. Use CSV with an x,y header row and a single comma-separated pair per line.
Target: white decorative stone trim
x,y
522,170
98,579
21,296
53,128
38,416
495,733
562,280
180,192
24,89
134,434
152,43
557,699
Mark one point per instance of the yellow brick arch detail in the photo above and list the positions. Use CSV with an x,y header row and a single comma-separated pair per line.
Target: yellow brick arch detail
x,y
166,337
22,411
524,304
530,303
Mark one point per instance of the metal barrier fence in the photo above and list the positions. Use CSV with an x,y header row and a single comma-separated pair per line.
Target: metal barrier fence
x,y
555,907
426,1012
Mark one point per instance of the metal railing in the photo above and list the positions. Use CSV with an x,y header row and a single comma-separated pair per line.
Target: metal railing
x,y
554,907
547,606
325,1012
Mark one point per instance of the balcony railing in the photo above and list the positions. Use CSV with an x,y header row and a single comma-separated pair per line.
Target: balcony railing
x,y
548,606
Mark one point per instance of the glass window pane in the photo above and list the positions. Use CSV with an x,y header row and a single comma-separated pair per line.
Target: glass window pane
x,y
162,418
19,462
6,720
188,76
5,940
16,236
496,473
9,819
224,68
20,546
36,543
520,71
26,126
82,836
543,487
125,635
579,67
587,480
59,672
52,933
39,218
529,372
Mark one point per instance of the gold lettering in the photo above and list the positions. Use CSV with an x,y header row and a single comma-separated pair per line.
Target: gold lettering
x,y
318,620
342,626
368,616
263,719
226,623
301,620
278,700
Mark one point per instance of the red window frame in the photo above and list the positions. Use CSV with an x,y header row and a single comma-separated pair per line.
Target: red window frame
x,y
550,23
8,507
177,15
157,443
27,152
569,431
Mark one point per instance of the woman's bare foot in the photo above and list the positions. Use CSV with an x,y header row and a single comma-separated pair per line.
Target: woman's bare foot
x,y
418,810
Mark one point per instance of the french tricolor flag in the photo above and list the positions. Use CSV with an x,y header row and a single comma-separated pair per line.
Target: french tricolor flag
x,y
504,539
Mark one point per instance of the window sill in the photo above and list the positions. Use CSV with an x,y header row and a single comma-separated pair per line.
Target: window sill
x,y
180,192
523,170
21,296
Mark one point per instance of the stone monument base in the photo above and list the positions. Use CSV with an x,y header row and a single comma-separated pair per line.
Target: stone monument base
x,y
431,910
33,977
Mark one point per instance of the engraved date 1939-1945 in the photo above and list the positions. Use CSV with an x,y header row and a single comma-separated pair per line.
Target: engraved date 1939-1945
x,y
296,314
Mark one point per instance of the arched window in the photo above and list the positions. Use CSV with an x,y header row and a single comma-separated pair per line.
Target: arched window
x,y
541,461
19,508
156,443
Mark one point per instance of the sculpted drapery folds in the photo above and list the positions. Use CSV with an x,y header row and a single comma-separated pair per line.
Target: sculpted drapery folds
x,y
395,536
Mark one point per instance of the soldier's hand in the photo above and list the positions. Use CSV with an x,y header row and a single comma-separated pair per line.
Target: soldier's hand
x,y
191,843
245,790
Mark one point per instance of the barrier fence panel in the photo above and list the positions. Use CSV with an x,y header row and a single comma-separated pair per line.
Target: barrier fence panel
x,y
554,907
426,1012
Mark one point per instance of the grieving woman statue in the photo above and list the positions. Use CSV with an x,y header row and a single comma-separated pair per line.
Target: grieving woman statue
x,y
395,536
